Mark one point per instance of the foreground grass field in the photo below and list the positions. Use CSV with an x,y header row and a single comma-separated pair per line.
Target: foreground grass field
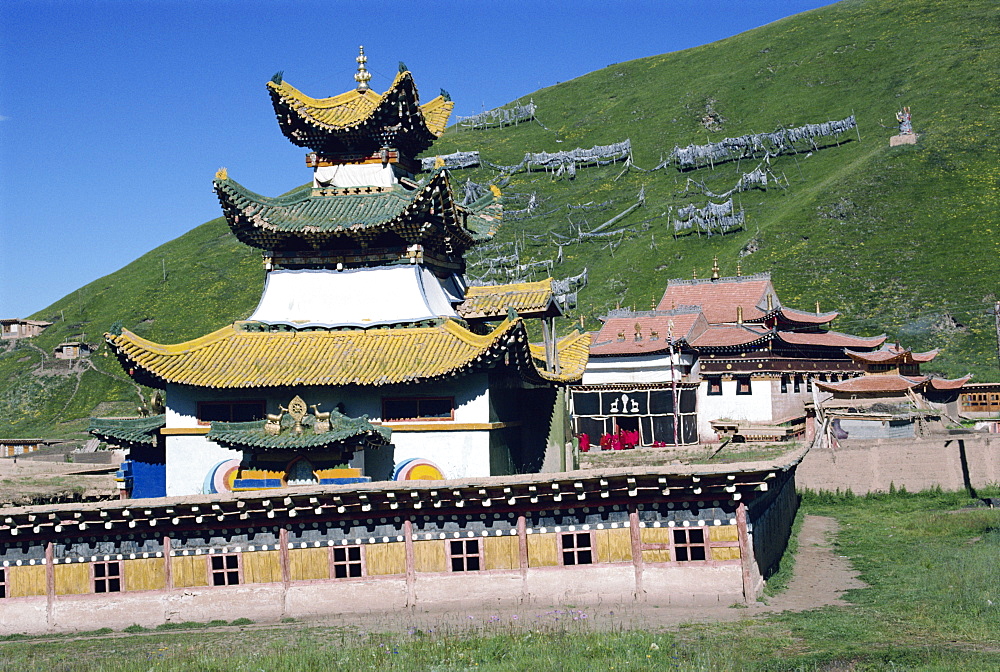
x,y
930,560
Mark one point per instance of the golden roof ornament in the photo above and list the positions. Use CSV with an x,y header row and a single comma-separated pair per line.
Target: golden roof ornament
x,y
739,270
715,267
362,76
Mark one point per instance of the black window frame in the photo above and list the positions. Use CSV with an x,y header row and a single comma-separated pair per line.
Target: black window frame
x,y
714,386
685,546
574,553
419,415
259,411
228,573
467,558
744,387
348,563
108,576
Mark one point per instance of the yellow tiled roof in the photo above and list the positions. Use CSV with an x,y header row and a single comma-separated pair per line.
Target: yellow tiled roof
x,y
350,109
233,357
494,301
573,353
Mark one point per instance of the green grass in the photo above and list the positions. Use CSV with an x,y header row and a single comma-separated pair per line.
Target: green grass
x,y
902,240
929,559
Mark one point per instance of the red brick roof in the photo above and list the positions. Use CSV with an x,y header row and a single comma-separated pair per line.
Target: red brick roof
x,y
872,384
878,383
833,339
719,298
721,336
686,326
891,353
804,317
948,383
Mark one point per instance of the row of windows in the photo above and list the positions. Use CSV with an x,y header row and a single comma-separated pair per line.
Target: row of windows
x,y
393,409
464,555
796,384
715,385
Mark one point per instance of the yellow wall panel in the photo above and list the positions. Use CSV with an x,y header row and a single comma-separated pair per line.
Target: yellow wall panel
x,y
388,558
501,553
73,579
189,570
145,574
262,567
656,556
725,553
25,581
309,563
542,550
614,545
723,533
655,535
429,556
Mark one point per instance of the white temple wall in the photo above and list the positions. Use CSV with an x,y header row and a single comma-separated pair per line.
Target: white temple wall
x,y
458,454
645,369
189,459
753,407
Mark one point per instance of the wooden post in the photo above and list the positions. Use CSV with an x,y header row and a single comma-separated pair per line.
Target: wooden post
x,y
286,570
411,563
50,582
168,569
547,340
635,535
746,555
996,316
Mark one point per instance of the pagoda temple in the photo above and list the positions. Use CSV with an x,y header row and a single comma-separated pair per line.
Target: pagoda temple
x,y
365,318
894,372
713,348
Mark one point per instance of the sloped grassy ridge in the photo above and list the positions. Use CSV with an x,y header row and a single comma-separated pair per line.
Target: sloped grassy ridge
x,y
903,240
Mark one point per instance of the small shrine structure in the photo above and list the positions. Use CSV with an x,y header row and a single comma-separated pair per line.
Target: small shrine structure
x,y
365,318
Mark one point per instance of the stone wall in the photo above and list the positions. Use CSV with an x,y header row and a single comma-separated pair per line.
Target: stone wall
x,y
951,461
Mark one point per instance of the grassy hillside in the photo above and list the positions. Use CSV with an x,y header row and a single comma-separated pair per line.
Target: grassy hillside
x,y
901,240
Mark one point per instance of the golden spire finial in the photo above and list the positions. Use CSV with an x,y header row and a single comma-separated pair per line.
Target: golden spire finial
x,y
362,77
739,270
715,267
694,273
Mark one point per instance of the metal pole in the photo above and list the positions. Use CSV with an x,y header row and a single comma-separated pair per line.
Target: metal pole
x,y
673,378
996,316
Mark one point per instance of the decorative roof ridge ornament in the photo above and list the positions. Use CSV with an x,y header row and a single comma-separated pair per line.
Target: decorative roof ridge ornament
x,y
362,76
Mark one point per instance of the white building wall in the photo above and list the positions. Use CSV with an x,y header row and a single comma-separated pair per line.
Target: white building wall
x,y
189,460
459,454
644,369
754,407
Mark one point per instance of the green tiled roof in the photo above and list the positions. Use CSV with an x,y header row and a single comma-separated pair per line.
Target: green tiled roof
x,y
311,219
345,432
127,432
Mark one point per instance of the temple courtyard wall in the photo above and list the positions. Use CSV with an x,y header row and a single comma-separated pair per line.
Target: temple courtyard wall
x,y
948,461
687,535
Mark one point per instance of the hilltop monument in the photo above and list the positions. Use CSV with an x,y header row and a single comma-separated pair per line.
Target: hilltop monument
x,y
906,135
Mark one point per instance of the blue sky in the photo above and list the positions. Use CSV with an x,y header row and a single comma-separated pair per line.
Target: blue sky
x,y
115,114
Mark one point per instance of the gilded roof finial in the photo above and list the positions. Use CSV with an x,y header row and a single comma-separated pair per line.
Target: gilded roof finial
x,y
739,270
715,267
362,77
694,273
